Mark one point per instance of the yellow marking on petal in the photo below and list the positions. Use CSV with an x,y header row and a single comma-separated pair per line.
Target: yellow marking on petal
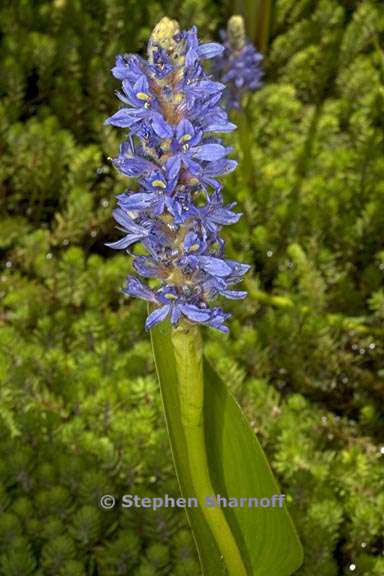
x,y
158,184
170,296
193,181
185,138
142,96
194,247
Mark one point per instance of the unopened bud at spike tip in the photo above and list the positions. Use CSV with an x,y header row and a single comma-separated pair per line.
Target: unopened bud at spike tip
x,y
236,32
163,36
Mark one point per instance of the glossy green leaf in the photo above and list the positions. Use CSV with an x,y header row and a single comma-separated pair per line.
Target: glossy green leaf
x,y
265,537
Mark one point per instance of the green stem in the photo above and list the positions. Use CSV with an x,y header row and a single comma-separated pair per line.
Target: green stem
x,y
250,13
246,147
264,25
188,349
257,15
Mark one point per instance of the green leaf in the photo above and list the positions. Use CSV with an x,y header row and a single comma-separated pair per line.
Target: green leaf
x,y
265,538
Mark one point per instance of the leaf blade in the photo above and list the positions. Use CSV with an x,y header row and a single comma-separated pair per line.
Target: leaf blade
x,y
238,468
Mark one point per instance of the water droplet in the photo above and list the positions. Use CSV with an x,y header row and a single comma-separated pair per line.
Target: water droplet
x,y
269,253
352,567
8,264
49,256
372,346
105,203
93,233
363,544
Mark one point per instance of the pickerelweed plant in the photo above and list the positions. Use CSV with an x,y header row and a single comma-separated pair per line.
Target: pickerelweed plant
x,y
239,64
172,112
238,67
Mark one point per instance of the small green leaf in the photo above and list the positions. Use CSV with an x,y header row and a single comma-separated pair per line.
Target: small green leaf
x,y
265,538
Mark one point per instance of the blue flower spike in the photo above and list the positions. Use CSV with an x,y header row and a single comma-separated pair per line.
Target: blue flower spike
x,y
172,113
239,65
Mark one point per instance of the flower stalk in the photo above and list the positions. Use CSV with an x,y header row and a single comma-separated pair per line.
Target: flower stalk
x,y
188,350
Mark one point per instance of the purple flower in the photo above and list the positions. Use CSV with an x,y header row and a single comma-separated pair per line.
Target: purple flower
x,y
176,212
239,65
134,232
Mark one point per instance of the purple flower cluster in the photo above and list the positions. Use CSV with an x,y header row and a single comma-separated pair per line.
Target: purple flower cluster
x,y
172,113
239,66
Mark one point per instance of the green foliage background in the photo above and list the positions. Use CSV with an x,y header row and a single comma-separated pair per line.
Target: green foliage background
x,y
80,413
